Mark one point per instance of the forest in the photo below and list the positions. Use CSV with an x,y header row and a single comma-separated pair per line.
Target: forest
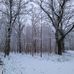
x,y
36,36
36,26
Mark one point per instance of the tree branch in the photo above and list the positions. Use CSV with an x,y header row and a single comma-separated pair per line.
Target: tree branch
x,y
68,32
48,16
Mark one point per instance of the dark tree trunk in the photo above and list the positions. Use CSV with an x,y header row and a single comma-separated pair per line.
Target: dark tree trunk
x,y
60,44
19,46
9,30
7,42
34,46
63,47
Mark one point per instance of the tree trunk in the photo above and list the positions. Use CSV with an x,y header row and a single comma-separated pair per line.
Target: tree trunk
x,y
60,44
19,45
19,48
9,30
7,42
34,46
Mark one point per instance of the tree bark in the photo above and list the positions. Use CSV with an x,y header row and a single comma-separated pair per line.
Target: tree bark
x,y
59,43
7,42
60,46
9,30
19,44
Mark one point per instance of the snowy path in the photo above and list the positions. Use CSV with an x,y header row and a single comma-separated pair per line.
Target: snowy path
x,y
52,64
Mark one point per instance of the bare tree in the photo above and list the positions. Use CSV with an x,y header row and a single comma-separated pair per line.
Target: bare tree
x,y
57,11
9,29
19,32
41,46
12,10
35,24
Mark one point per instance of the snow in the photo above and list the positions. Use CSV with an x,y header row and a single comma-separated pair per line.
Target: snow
x,y
1,69
48,64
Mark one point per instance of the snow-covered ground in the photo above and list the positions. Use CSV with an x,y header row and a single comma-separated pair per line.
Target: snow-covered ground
x,y
48,64
1,69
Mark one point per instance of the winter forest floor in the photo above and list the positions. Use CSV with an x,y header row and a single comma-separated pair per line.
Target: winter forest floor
x,y
48,64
